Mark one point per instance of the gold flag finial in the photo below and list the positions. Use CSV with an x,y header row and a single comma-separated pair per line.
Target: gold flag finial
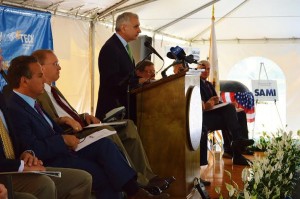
x,y
213,12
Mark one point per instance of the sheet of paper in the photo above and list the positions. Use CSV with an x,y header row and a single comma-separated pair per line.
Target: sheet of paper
x,y
219,106
117,123
48,173
93,138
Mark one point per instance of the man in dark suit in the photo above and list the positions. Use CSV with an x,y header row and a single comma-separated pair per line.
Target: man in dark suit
x,y
223,118
73,183
102,159
116,67
127,138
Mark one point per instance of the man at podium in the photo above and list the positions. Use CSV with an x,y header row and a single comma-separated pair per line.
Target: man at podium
x,y
116,66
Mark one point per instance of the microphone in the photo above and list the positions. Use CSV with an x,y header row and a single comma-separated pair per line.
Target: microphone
x,y
179,53
190,59
171,55
148,45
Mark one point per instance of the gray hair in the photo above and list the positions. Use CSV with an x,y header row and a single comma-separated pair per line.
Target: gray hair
x,y
123,18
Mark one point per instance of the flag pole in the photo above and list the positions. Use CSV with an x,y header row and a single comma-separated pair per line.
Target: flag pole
x,y
213,57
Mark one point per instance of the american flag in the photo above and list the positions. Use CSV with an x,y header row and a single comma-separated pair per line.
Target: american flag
x,y
245,100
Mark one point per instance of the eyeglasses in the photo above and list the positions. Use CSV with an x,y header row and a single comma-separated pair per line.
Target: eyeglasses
x,y
53,64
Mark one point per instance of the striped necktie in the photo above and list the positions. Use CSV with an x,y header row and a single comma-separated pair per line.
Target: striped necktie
x,y
129,52
7,144
72,113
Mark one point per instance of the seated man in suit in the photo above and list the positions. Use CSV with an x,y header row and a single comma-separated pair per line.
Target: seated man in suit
x,y
72,184
145,70
36,130
222,118
58,108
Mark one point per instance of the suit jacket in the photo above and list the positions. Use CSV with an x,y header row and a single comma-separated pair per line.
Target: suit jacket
x,y
102,159
34,131
45,101
7,165
205,89
116,70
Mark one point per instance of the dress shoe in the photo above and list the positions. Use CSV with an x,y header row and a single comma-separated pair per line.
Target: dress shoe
x,y
247,152
241,144
143,194
240,160
206,183
154,190
162,183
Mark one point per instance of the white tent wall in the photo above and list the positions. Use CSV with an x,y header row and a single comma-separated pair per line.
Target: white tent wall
x,y
71,45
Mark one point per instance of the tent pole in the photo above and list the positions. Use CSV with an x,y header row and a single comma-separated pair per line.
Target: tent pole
x,y
91,62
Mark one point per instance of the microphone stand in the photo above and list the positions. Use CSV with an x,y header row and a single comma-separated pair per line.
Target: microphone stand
x,y
163,73
143,60
127,80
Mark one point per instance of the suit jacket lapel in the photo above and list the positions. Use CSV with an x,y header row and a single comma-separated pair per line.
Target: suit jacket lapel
x,y
119,43
61,95
32,111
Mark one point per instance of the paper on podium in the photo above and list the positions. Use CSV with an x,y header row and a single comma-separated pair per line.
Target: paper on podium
x,y
93,138
117,123
219,106
48,173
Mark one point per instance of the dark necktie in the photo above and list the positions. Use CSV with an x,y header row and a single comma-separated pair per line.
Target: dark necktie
x,y
209,88
73,114
40,111
7,144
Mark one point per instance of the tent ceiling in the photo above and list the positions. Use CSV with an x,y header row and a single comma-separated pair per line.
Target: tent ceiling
x,y
189,19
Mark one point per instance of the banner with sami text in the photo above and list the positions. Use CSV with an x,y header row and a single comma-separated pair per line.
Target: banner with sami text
x,y
23,31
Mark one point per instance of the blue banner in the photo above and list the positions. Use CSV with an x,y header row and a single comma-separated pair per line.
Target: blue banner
x,y
23,31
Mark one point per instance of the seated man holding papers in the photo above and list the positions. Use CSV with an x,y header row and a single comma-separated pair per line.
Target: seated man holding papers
x,y
127,138
222,117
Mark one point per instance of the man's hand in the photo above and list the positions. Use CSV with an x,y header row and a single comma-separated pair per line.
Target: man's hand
x,y
70,122
215,99
34,168
30,160
208,105
3,192
71,141
91,119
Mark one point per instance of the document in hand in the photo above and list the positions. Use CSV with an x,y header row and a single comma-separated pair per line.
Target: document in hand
x,y
219,106
117,123
48,173
94,137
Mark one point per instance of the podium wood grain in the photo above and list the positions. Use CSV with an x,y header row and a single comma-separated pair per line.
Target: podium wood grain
x,y
162,124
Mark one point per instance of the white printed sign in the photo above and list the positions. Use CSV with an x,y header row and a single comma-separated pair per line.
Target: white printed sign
x,y
265,90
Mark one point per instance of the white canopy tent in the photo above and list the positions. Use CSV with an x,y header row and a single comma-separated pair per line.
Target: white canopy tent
x,y
244,29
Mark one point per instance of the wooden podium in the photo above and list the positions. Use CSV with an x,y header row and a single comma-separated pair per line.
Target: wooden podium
x,y
169,120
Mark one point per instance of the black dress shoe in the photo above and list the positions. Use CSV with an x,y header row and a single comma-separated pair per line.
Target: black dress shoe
x,y
240,160
143,194
206,183
247,152
162,183
154,190
241,144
